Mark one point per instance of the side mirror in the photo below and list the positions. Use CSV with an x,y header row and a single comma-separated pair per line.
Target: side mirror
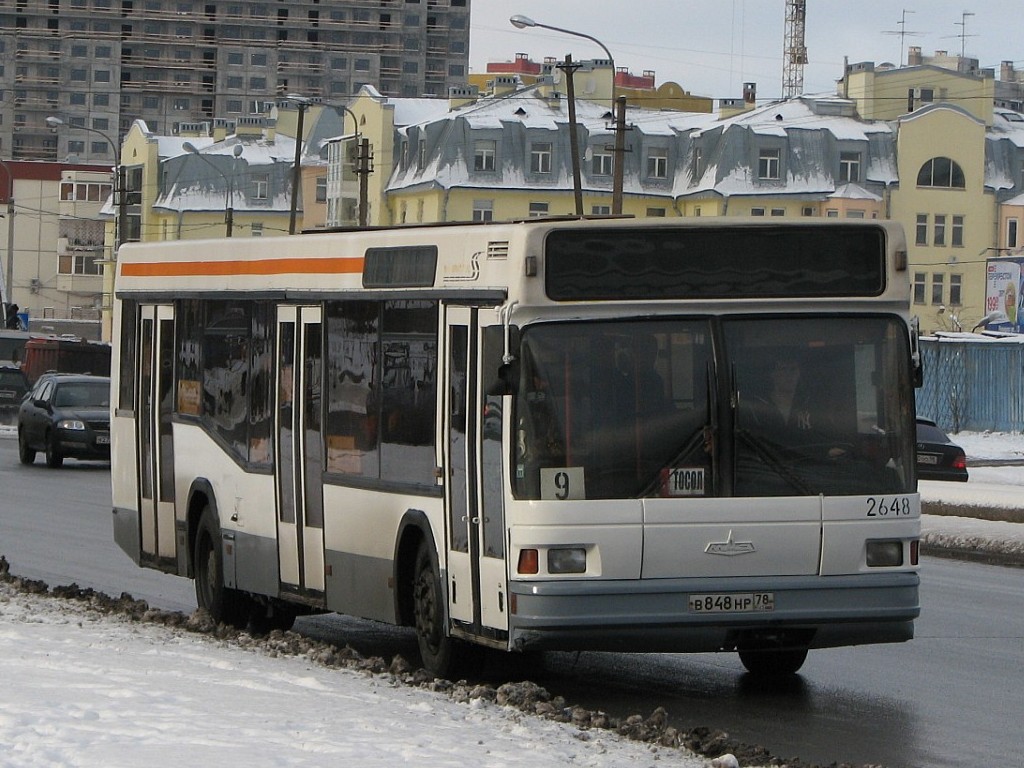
x,y
499,376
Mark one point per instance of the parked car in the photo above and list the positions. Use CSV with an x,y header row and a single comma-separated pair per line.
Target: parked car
x,y
938,457
65,416
13,388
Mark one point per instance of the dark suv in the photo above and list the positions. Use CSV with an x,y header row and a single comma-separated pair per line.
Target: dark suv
x,y
65,415
13,387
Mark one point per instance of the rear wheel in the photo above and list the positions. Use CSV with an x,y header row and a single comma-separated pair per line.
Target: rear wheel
x,y
26,454
54,458
225,606
774,663
264,619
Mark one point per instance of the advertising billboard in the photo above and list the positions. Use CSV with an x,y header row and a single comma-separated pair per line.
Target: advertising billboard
x,y
1004,299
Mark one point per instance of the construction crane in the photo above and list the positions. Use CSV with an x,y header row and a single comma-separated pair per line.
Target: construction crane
x,y
795,54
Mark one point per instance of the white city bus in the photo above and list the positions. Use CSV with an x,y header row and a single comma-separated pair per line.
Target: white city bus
x,y
557,434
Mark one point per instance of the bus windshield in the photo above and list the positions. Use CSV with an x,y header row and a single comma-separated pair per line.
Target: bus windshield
x,y
782,406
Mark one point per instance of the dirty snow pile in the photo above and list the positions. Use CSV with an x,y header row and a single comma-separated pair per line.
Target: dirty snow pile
x,y
83,687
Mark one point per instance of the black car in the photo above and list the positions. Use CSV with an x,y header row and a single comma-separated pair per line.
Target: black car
x,y
66,416
938,457
13,387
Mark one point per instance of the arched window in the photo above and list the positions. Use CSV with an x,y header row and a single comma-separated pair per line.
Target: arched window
x,y
941,172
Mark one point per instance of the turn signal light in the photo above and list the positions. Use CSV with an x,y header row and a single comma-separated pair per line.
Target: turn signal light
x,y
529,562
915,552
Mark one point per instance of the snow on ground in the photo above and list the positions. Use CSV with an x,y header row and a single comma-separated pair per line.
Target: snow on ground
x,y
82,688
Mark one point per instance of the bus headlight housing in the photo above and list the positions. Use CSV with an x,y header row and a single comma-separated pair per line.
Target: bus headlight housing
x,y
567,560
885,553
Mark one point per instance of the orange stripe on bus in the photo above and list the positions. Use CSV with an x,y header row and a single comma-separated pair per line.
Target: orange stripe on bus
x,y
243,267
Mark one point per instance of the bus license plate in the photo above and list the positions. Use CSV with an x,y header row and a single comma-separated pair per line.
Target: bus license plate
x,y
743,602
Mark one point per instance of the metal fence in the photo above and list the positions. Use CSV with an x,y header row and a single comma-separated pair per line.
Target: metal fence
x,y
972,383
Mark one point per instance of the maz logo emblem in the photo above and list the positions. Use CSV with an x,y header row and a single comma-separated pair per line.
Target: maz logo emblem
x,y
730,548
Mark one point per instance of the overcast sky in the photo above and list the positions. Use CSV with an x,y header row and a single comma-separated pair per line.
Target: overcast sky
x,y
711,49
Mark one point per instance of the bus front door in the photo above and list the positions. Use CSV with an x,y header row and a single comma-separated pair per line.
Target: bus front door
x,y
476,581
298,460
155,437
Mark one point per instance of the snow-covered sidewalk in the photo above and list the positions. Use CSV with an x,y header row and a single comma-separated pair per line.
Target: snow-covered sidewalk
x,y
84,688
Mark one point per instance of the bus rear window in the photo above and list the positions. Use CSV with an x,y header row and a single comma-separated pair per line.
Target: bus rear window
x,y
714,262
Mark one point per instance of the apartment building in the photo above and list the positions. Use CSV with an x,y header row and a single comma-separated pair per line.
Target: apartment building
x,y
102,64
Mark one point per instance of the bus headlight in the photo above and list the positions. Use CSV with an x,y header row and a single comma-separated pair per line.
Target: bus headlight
x,y
884,554
73,425
571,560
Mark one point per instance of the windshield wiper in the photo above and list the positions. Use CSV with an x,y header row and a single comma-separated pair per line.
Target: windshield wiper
x,y
770,454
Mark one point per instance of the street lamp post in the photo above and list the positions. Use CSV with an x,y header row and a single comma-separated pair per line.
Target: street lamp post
x,y
120,186
522,22
229,182
359,168
302,104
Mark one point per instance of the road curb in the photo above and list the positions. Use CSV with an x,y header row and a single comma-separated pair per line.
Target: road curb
x,y
954,509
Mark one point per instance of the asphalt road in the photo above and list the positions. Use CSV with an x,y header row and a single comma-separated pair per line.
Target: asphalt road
x,y
951,697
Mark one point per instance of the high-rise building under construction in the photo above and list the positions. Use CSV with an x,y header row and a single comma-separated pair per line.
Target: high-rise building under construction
x,y
101,64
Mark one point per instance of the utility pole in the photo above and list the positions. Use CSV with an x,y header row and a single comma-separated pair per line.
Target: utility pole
x,y
620,154
574,142
364,167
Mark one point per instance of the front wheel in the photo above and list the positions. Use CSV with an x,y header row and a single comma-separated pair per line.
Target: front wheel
x,y
54,458
225,606
442,655
774,663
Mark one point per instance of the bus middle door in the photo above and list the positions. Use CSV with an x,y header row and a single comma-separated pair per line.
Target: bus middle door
x,y
155,436
298,460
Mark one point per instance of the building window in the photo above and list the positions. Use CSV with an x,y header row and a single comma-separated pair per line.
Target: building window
x,y
757,211
260,186
698,163
807,211
600,210
540,157
957,233
921,233
938,288
939,232
941,172
855,214
321,189
538,209
484,156
768,164
920,285
483,210
955,290
832,213
1011,233
849,166
655,213
601,164
256,229
657,163
778,211
421,153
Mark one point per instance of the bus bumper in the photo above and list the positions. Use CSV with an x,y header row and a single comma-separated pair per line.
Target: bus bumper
x,y
654,616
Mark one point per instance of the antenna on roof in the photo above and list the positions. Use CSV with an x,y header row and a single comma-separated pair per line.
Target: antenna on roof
x,y
902,32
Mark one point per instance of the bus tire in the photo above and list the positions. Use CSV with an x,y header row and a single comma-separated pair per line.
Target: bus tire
x,y
54,458
773,663
442,655
25,454
266,618
225,606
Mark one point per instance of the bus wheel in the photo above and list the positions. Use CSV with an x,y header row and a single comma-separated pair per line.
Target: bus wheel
x,y
442,655
225,606
25,454
54,458
773,663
